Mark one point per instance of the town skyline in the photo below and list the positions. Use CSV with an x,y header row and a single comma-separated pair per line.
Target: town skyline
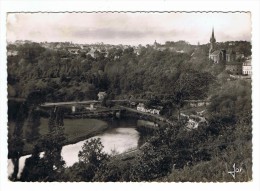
x,y
128,29
102,43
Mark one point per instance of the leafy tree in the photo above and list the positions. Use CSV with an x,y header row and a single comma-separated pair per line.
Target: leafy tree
x,y
34,99
91,157
51,166
153,162
190,84
92,152
32,170
111,172
16,141
231,106
30,51
153,102
32,128
155,159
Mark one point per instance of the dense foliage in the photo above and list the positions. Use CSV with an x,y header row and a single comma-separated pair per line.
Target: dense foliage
x,y
165,78
50,167
63,76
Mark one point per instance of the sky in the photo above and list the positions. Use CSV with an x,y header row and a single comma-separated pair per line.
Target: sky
x,y
128,28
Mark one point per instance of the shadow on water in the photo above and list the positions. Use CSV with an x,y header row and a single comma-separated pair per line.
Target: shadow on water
x,y
122,122
121,134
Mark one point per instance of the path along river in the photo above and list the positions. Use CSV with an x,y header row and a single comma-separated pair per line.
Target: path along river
x,y
120,136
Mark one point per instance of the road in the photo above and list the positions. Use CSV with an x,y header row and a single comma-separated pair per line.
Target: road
x,y
69,103
83,102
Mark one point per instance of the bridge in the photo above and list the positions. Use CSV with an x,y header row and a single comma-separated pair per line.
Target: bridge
x,y
16,99
51,104
69,103
119,107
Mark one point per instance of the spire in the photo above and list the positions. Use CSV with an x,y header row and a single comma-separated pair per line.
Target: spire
x,y
212,39
155,44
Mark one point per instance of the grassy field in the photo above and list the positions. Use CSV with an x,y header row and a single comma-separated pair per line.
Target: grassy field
x,y
75,129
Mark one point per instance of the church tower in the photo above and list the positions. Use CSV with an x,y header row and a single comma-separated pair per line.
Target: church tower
x,y
155,44
212,42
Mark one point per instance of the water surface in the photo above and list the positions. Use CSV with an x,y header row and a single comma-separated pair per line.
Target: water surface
x,y
120,137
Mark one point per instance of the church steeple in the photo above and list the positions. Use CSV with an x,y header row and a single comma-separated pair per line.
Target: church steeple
x,y
212,39
212,42
155,44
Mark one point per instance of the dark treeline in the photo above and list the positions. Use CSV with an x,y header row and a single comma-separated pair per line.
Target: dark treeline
x,y
63,76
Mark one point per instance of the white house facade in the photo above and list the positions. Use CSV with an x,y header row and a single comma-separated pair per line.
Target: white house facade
x,y
247,68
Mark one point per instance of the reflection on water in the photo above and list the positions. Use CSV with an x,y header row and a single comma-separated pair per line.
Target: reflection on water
x,y
121,136
22,159
119,139
21,165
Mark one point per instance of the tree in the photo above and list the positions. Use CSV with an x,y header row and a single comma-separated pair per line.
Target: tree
x,y
111,172
35,98
32,128
51,166
91,157
92,152
153,162
16,142
153,102
190,84
30,51
31,170
232,106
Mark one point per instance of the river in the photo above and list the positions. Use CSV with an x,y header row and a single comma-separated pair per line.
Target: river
x,y
119,139
120,136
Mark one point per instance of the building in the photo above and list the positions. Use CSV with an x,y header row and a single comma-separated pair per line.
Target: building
x,y
91,107
12,53
229,58
101,95
197,103
234,67
95,53
141,107
212,46
239,56
73,50
155,44
73,109
92,53
155,111
247,67
218,56
180,51
133,104
230,55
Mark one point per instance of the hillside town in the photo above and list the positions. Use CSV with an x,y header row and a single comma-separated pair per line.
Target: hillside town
x,y
236,63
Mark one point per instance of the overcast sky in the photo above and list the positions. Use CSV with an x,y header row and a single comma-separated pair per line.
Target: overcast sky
x,y
128,28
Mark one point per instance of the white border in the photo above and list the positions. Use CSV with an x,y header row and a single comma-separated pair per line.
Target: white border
x,y
55,6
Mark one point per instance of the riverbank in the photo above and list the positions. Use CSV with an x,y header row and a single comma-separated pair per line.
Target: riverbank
x,y
75,130
78,127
